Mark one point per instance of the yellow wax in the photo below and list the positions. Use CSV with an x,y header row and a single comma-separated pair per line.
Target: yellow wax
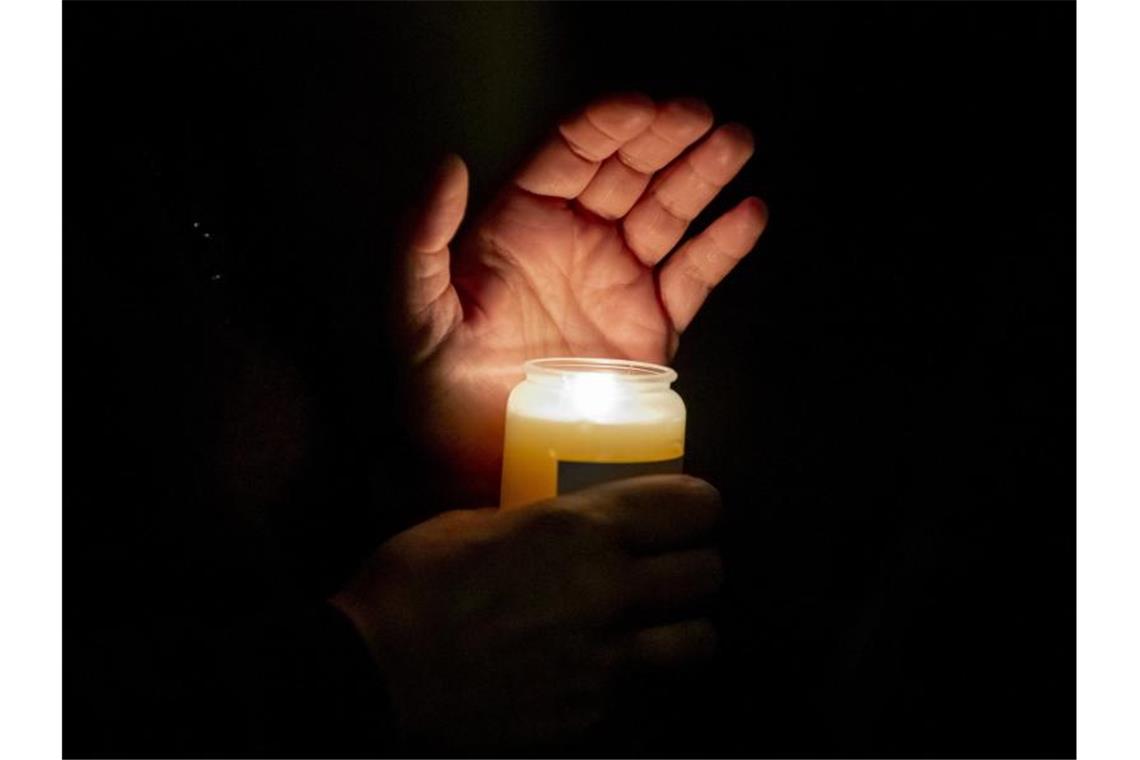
x,y
564,419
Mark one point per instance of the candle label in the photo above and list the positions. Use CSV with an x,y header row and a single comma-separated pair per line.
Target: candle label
x,y
574,476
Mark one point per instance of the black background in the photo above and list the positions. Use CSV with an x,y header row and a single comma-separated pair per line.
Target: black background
x,y
884,390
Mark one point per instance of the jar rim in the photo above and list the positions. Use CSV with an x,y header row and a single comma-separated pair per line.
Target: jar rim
x,y
627,370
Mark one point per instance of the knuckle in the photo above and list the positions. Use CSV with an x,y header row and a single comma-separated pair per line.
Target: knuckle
x,y
703,489
700,276
635,162
567,520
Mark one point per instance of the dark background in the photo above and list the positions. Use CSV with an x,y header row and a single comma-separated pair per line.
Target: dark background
x,y
884,390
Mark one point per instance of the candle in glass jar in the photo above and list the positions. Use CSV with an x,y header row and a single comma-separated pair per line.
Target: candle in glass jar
x,y
573,423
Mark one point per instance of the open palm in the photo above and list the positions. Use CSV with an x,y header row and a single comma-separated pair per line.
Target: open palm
x,y
573,258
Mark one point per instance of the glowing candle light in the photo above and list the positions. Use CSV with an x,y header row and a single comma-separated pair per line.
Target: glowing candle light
x,y
573,423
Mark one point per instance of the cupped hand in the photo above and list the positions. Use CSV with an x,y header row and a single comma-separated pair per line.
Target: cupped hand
x,y
499,628
575,257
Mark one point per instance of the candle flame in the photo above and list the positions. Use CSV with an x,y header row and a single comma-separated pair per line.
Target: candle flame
x,y
594,395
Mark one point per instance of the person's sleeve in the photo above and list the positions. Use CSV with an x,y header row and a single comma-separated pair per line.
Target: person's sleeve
x,y
295,682
311,688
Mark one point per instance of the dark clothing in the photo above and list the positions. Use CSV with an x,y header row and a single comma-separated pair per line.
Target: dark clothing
x,y
195,623
295,682
213,501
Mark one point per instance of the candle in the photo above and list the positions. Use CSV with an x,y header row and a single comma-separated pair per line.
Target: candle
x,y
573,423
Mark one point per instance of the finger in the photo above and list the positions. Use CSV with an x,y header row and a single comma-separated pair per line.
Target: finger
x,y
567,162
674,645
614,189
655,513
676,580
663,214
622,178
701,263
427,298
676,125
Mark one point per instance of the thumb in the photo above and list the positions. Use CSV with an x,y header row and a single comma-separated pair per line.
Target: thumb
x,y
428,302
435,221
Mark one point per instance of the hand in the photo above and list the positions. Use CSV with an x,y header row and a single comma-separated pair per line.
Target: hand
x,y
497,628
566,261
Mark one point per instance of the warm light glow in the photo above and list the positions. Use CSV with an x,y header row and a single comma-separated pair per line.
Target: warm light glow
x,y
594,396
576,421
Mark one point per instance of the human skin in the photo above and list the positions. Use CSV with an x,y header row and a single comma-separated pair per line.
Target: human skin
x,y
513,628
516,628
576,256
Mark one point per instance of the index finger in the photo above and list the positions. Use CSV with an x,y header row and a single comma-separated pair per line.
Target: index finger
x,y
656,513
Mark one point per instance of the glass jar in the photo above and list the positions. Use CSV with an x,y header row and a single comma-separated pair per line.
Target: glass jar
x,y
573,423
